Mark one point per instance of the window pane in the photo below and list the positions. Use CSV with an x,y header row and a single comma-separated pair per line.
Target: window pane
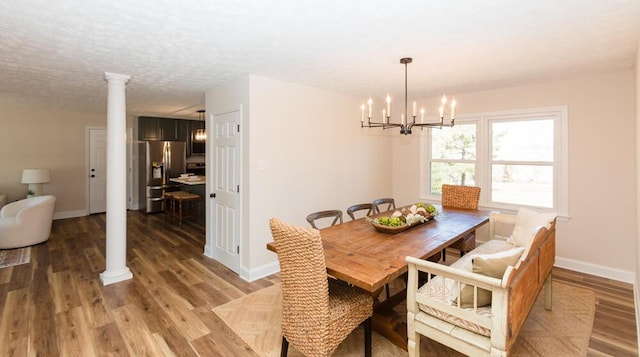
x,y
522,184
458,142
451,173
530,140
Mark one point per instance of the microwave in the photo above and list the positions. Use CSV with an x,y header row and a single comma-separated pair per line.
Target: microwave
x,y
197,146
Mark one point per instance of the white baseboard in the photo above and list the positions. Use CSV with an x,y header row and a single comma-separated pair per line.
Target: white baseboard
x,y
582,267
598,270
70,214
259,272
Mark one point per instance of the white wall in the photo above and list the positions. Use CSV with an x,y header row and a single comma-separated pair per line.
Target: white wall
x,y
232,96
599,236
303,151
637,132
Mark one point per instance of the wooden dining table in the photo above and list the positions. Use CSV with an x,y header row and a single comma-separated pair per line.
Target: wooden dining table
x,y
355,252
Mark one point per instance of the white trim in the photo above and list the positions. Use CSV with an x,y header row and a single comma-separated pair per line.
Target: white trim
x,y
130,168
259,272
208,251
70,214
108,277
483,140
597,270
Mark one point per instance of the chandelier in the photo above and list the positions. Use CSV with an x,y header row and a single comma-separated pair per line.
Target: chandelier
x,y
200,134
406,123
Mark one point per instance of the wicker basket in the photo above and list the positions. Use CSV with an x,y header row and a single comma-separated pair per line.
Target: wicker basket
x,y
466,244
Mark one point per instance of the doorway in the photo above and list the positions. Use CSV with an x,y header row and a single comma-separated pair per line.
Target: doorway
x,y
224,222
97,169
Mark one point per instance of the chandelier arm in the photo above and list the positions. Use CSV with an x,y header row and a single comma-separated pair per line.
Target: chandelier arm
x,y
405,93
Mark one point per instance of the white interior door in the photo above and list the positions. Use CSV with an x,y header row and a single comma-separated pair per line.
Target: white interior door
x,y
97,170
224,228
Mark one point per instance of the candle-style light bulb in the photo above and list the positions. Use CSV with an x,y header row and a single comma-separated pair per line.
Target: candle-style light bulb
x,y
370,101
421,114
362,110
444,99
388,105
453,108
414,109
441,109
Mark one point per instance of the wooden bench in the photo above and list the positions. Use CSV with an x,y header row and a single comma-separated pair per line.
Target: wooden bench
x,y
480,331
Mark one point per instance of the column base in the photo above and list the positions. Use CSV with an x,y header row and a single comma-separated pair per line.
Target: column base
x,y
115,276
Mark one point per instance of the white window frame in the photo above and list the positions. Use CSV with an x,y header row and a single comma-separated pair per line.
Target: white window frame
x,y
484,160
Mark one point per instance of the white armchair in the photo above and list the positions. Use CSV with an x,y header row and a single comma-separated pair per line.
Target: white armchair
x,y
26,222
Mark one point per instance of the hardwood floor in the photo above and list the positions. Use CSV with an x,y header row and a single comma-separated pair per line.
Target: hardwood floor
x,y
56,305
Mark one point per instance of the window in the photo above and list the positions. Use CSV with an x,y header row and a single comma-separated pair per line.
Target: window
x,y
518,158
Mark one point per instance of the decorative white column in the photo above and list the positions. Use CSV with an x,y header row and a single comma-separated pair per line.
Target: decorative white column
x,y
116,255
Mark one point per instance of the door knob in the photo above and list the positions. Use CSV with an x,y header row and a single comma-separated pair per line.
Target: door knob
x,y
213,195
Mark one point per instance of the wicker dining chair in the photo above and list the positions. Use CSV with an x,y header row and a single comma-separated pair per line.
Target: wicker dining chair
x,y
318,312
336,214
390,202
359,207
465,197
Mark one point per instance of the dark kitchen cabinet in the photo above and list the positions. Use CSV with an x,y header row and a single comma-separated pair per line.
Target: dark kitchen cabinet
x,y
150,128
183,129
154,129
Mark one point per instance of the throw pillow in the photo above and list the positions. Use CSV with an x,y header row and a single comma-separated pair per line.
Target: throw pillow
x,y
493,265
527,224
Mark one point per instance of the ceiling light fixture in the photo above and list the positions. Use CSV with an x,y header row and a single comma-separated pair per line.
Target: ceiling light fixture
x,y
200,134
405,124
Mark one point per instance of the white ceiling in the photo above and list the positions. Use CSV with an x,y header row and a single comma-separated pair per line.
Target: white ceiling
x,y
58,51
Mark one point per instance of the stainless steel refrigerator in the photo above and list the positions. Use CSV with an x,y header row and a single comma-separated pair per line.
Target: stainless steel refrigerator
x,y
158,162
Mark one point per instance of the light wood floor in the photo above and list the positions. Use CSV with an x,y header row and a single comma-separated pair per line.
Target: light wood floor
x,y
56,305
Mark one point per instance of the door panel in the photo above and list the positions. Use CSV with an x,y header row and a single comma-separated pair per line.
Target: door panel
x,y
226,223
97,170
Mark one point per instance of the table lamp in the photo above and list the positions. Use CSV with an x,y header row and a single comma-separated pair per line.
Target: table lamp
x,y
35,178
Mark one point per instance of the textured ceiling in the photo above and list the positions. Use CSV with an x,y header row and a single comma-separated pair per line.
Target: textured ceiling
x,y
58,51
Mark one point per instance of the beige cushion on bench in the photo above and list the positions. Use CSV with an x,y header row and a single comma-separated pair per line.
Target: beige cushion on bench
x,y
446,290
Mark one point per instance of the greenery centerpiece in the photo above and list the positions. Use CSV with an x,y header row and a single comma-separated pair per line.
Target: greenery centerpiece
x,y
404,218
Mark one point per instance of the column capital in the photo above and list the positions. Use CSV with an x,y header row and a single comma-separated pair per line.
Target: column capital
x,y
116,76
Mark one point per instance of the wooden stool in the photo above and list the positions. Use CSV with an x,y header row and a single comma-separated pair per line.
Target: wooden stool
x,y
180,198
169,207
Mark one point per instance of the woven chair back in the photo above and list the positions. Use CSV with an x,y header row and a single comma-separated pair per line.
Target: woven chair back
x,y
305,290
455,196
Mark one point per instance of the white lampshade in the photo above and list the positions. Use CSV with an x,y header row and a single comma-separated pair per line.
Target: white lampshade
x,y
35,175
35,178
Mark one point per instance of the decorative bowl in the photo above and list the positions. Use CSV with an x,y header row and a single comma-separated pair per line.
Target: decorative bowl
x,y
404,218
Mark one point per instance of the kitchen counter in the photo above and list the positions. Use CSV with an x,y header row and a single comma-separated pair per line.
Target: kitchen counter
x,y
200,181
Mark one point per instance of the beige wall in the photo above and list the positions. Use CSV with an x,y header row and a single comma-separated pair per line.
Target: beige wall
x,y
637,132
37,133
33,134
599,236
314,156
303,151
